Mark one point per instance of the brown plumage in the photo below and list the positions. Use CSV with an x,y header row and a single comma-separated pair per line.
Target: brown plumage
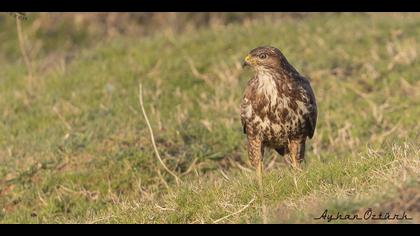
x,y
278,109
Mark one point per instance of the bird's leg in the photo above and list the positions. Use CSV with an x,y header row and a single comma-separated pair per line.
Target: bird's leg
x,y
301,151
297,153
255,153
259,169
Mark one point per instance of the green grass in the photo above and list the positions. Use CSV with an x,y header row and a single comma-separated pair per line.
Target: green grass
x,y
74,147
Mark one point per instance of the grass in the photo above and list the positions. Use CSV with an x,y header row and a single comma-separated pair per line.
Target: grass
x,y
75,147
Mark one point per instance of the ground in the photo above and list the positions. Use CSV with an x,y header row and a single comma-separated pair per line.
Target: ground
x,y
75,148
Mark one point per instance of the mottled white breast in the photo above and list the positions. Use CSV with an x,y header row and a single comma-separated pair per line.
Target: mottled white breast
x,y
267,87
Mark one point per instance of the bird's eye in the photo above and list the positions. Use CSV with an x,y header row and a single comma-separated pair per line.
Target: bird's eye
x,y
263,56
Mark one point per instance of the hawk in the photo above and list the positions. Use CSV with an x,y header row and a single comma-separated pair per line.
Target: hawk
x,y
278,109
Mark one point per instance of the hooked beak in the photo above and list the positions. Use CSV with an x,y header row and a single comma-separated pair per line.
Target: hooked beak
x,y
247,61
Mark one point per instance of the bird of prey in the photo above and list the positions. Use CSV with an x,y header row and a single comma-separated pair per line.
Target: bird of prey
x,y
278,109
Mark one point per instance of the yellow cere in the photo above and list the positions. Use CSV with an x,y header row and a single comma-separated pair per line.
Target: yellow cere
x,y
249,59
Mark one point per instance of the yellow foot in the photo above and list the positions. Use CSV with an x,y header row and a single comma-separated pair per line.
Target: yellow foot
x,y
295,164
259,173
297,167
259,170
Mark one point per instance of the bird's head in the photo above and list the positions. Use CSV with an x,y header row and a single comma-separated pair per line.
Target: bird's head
x,y
264,58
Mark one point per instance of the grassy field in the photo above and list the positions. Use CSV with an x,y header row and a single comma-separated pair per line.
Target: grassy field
x,y
75,148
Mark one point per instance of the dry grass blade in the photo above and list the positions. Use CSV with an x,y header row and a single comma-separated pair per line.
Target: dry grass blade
x,y
152,137
235,213
62,119
197,74
22,47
